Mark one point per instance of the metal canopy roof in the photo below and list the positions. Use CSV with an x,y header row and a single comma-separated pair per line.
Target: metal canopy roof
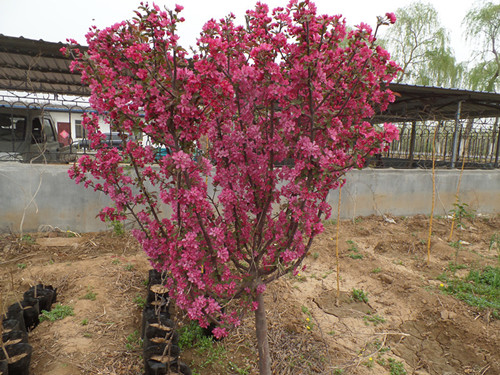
x,y
415,103
37,66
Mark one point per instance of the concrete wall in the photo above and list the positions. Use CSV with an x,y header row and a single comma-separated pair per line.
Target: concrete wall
x,y
34,196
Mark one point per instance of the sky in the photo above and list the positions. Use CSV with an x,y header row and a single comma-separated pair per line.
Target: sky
x,y
58,20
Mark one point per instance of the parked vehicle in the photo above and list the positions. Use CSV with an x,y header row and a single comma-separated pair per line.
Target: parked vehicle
x,y
29,135
112,139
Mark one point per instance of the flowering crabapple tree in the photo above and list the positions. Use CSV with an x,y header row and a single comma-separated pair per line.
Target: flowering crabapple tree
x,y
283,106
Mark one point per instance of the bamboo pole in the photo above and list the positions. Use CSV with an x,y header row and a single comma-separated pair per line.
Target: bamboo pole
x,y
337,245
458,187
433,194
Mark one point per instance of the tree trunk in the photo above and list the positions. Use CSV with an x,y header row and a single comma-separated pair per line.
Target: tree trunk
x,y
262,342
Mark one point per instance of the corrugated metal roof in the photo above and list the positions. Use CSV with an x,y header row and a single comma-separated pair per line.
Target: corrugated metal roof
x,y
37,66
438,103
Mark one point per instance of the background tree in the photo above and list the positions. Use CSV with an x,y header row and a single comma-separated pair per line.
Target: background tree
x,y
421,46
291,86
483,29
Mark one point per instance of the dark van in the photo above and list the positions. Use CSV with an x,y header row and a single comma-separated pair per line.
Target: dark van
x,y
29,135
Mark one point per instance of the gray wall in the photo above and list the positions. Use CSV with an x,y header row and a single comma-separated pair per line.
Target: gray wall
x,y
36,196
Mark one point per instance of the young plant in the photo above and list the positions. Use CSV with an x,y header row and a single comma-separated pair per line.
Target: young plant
x,y
289,86
359,295
460,212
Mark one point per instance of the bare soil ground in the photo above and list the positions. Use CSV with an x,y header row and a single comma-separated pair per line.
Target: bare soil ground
x,y
407,321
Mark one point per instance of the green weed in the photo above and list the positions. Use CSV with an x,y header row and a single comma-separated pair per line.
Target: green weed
x,y
129,267
308,321
396,367
22,266
90,294
192,336
494,241
116,226
57,313
359,295
140,301
28,239
377,270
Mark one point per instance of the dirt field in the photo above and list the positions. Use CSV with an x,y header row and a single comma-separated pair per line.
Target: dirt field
x,y
393,315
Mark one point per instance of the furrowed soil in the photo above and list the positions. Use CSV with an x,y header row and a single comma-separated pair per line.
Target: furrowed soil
x,y
406,324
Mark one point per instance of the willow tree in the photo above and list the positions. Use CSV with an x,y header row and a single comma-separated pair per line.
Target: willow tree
x,y
421,46
483,31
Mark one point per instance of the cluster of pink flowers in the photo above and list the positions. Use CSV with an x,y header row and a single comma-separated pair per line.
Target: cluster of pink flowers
x,y
282,108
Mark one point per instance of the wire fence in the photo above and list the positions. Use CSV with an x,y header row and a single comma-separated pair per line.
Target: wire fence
x,y
474,142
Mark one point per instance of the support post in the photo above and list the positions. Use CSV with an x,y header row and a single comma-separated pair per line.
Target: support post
x,y
497,153
413,137
455,136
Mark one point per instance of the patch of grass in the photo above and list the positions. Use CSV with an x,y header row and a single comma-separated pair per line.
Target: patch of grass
x,y
129,267
57,313
189,335
481,289
453,267
90,294
192,336
300,277
368,363
359,295
140,301
134,341
376,270
325,275
329,222
374,319
22,266
308,320
494,241
315,255
238,370
353,250
26,238
396,367
70,234
116,226
84,322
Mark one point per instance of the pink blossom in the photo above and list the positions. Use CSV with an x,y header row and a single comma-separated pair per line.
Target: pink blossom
x,y
214,210
391,17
